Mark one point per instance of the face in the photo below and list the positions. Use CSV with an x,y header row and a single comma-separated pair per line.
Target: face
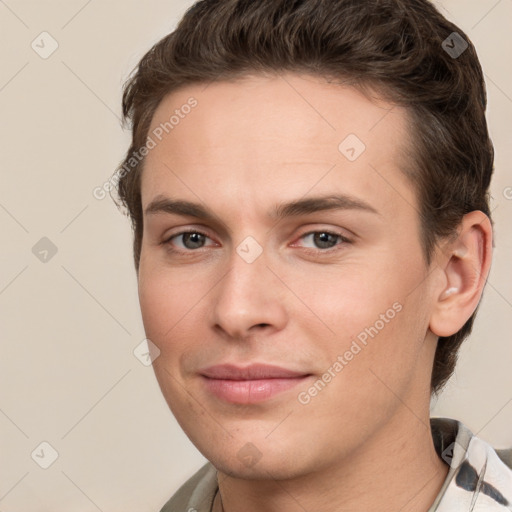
x,y
281,273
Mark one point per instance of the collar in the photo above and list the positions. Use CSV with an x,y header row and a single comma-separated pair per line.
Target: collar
x,y
478,478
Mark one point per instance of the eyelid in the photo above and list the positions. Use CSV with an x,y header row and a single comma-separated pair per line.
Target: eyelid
x,y
167,239
319,227
344,239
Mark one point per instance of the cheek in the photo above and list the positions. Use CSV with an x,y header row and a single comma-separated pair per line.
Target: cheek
x,y
348,299
167,308
174,305
380,300
154,304
164,301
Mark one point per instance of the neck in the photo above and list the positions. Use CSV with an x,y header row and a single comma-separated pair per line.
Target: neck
x,y
397,470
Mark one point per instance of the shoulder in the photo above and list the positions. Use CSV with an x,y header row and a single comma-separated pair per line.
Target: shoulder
x,y
505,456
480,476
196,494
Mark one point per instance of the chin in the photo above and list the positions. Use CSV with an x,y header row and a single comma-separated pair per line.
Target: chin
x,y
258,459
262,470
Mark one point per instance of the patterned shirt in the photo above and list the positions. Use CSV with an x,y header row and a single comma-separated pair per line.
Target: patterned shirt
x,y
479,478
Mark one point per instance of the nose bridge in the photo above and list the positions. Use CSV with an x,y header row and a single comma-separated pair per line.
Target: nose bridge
x,y
247,273
247,296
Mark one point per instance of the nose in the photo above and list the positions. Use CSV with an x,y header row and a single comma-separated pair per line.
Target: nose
x,y
248,299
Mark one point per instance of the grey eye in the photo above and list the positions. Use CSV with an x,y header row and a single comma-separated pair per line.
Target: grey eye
x,y
322,239
190,240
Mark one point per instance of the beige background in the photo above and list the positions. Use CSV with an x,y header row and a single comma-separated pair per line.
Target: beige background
x,y
69,325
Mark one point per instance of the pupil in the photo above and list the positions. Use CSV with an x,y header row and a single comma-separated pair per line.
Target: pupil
x,y
322,240
195,239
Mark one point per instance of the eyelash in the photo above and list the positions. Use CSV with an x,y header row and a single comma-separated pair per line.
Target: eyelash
x,y
343,239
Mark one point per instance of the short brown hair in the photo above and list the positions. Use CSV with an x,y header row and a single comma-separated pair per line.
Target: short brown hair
x,y
394,46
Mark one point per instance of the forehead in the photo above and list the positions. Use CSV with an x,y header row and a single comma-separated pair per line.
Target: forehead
x,y
277,135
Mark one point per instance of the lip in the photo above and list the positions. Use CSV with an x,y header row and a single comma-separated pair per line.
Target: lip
x,y
249,384
251,372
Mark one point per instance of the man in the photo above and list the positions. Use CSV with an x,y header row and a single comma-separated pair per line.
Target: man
x,y
308,186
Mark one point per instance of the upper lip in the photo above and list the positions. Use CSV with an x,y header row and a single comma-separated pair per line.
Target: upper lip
x,y
251,372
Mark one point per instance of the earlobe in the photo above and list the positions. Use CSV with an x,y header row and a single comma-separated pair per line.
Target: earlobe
x,y
465,272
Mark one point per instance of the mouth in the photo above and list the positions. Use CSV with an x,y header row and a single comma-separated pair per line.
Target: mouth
x,y
250,384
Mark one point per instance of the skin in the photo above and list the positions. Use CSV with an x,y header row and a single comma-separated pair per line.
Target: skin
x,y
363,443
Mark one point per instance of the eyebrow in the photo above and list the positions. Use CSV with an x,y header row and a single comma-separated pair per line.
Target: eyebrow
x,y
162,204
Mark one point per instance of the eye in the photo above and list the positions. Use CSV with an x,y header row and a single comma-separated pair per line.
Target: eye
x,y
187,240
324,239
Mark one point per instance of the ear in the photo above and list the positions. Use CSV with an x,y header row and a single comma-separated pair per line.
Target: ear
x,y
465,267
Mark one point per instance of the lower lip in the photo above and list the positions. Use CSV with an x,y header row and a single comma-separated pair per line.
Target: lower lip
x,y
250,391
